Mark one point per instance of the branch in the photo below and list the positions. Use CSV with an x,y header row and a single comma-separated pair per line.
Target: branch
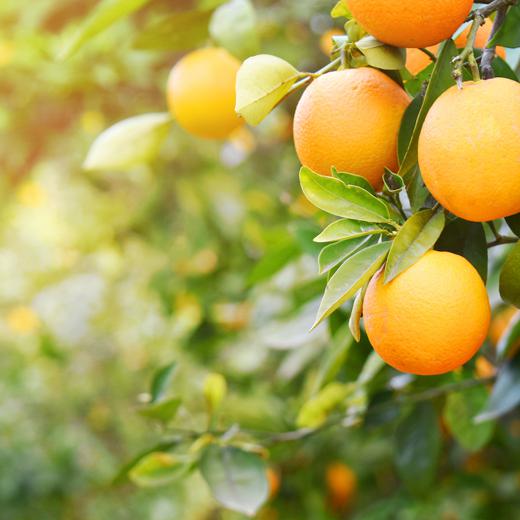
x,y
501,240
492,6
489,53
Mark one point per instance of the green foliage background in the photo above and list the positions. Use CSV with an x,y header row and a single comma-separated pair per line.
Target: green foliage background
x,y
205,258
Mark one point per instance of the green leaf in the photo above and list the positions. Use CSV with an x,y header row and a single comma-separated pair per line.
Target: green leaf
x,y
381,55
162,381
459,412
510,277
340,10
163,411
508,35
128,143
407,125
181,31
441,80
105,14
237,478
262,82
467,239
514,224
233,26
502,69
417,448
350,277
356,313
506,392
351,179
510,339
333,196
332,254
158,469
346,228
417,236
393,183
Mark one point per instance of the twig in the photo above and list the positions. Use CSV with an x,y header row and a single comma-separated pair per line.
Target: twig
x,y
490,8
501,240
467,52
489,53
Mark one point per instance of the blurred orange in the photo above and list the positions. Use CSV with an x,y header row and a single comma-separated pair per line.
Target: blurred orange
x,y
326,43
484,368
274,481
341,484
482,38
417,60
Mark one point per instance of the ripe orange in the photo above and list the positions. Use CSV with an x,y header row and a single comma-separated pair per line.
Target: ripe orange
x,y
482,38
341,484
201,93
350,119
410,23
417,60
469,150
432,318
326,43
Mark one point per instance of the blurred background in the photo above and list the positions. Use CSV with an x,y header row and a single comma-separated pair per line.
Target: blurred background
x,y
205,258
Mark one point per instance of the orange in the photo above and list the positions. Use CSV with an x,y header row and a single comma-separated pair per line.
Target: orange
x,y
410,23
417,60
482,38
274,482
201,93
326,43
430,319
469,149
341,484
350,119
484,368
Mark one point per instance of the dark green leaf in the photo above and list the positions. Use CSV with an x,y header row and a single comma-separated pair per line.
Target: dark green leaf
x,y
514,224
350,277
506,392
346,228
351,179
417,191
441,80
332,254
408,125
162,381
417,448
459,412
508,35
467,239
237,478
417,236
502,69
510,277
333,196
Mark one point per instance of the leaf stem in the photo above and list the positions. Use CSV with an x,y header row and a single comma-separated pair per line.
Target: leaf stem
x,y
489,53
467,52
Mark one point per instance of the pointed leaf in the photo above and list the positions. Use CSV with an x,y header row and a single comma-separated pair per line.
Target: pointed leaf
x,y
237,478
162,381
351,179
417,236
340,10
334,197
506,392
346,228
356,313
262,82
350,277
393,183
510,277
332,254
128,143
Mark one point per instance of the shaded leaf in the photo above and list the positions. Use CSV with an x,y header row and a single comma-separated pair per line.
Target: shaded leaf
x,y
106,13
333,196
332,254
162,381
510,277
350,277
393,183
262,82
408,124
514,224
346,228
459,412
237,478
128,143
506,392
417,448
417,236
508,35
467,239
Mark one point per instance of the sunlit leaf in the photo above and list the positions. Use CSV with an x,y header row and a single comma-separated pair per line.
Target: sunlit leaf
x,y
262,82
340,10
356,313
332,254
333,196
417,236
459,412
106,13
381,55
128,143
510,277
346,228
237,478
350,277
351,179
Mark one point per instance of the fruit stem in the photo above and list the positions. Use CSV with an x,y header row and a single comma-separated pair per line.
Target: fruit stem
x,y
489,53
429,54
309,76
467,53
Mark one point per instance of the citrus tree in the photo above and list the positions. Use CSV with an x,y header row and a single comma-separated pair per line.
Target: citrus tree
x,y
349,341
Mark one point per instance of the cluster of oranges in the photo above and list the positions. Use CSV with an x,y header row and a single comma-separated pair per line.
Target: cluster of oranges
x,y
433,317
